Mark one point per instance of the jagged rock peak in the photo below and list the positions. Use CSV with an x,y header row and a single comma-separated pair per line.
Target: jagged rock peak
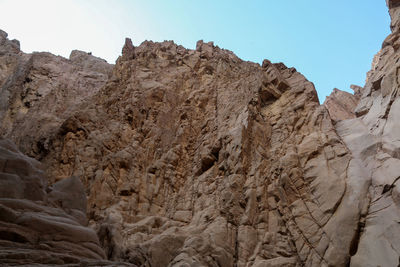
x,y
394,12
357,90
341,104
128,50
7,44
392,3
39,90
195,150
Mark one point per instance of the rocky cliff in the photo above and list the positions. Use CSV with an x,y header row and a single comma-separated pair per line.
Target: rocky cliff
x,y
40,90
41,224
373,137
197,158
341,104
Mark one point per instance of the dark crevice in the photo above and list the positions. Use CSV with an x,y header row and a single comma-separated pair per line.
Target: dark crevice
x,y
215,152
126,192
388,187
208,161
12,236
42,148
376,85
357,235
106,240
236,256
266,97
355,240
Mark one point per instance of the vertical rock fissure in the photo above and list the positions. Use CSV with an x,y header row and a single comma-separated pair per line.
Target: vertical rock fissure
x,y
236,256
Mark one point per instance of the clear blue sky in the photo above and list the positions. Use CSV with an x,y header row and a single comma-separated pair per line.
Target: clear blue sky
x,y
331,42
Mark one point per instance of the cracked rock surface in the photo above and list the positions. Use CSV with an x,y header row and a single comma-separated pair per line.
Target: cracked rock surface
x,y
40,90
373,138
341,105
197,158
41,224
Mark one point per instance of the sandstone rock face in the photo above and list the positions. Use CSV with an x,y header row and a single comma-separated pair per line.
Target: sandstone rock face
x,y
197,158
373,138
39,91
341,105
40,224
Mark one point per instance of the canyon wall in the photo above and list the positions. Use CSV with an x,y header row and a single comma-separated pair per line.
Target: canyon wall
x,y
198,158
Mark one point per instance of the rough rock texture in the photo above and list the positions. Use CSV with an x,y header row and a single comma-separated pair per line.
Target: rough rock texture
x,y
41,224
197,158
373,138
39,91
341,105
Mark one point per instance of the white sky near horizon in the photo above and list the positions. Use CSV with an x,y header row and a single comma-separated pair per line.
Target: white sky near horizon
x,y
61,26
331,42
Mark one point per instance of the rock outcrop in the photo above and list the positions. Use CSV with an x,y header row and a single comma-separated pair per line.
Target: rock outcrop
x,y
197,158
40,90
341,104
41,224
373,138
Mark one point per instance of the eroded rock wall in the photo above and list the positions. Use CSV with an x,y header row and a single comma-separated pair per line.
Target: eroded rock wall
x,y
373,138
341,104
197,158
41,224
39,91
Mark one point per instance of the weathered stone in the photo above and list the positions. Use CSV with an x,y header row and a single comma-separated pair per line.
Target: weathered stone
x,y
40,90
39,228
196,158
341,104
220,152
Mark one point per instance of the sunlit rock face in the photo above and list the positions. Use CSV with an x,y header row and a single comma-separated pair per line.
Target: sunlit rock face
x,y
40,90
197,158
373,137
